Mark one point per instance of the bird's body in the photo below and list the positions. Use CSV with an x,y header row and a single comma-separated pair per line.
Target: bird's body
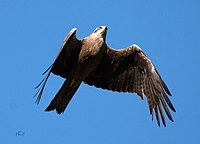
x,y
85,60
93,62
92,49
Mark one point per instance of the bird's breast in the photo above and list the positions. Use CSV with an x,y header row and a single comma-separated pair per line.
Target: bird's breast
x,y
91,48
89,58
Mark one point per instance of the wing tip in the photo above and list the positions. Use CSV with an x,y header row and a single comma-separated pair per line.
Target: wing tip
x,y
41,85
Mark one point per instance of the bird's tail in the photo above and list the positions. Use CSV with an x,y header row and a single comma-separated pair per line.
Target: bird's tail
x,y
64,95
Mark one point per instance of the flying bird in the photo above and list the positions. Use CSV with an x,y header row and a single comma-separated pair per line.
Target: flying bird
x,y
91,61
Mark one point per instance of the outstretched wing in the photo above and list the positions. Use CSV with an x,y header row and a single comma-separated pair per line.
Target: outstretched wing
x,y
129,70
64,61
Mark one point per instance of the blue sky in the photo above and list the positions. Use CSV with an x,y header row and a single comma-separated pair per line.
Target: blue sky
x,y
31,33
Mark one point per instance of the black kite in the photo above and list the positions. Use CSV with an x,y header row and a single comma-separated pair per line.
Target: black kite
x,y
93,62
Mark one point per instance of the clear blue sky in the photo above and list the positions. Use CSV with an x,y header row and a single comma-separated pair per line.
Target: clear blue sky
x,y
31,33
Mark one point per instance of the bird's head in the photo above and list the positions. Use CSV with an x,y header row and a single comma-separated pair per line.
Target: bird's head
x,y
101,31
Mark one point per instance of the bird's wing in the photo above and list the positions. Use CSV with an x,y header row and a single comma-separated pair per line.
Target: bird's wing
x,y
129,70
66,58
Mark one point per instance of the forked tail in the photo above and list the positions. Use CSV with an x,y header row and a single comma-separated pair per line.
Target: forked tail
x,y
64,95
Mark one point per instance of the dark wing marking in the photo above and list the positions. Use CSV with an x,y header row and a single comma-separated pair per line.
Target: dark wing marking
x,y
129,70
65,60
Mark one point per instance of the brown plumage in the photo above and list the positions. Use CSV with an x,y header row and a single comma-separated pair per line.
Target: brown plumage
x,y
93,62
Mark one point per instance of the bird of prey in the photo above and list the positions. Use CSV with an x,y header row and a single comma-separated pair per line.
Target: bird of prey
x,y
92,61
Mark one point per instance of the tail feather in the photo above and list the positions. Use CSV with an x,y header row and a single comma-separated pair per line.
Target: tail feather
x,y
63,97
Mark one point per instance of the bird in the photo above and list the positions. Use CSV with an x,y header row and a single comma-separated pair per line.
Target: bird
x,y
92,61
